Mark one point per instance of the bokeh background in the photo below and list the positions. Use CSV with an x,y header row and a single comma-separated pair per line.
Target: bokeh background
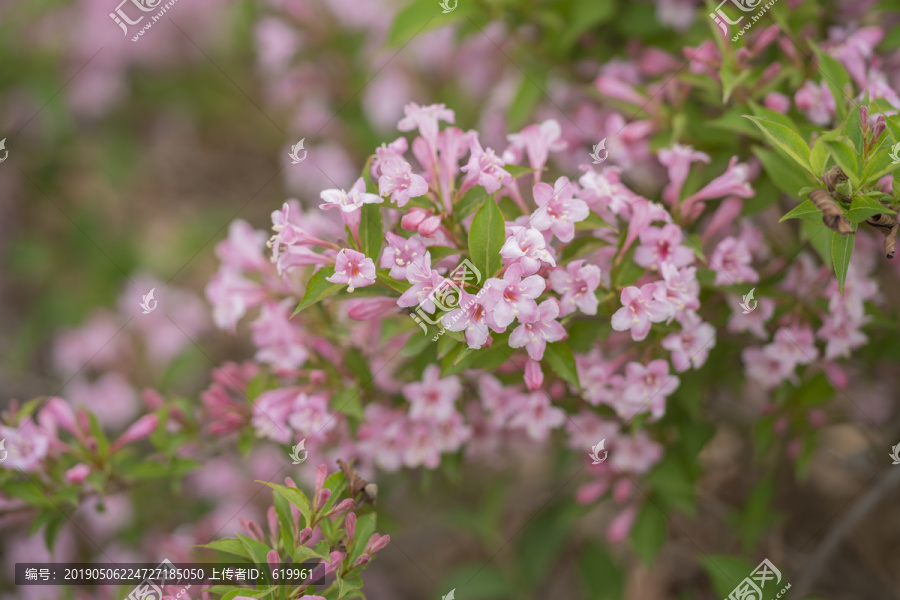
x,y
127,163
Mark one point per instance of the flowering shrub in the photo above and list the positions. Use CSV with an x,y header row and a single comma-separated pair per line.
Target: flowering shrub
x,y
497,287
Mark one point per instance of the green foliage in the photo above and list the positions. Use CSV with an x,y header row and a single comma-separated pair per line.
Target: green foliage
x,y
486,237
318,289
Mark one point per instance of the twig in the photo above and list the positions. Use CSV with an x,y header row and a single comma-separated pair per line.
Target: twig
x,y
857,512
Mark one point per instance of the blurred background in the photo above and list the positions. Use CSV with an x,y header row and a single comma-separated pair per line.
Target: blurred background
x,y
127,162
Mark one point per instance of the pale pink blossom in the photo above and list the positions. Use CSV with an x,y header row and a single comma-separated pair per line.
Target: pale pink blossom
x,y
513,296
400,252
425,119
534,335
537,416
816,101
26,445
576,284
682,290
309,415
526,247
753,322
279,341
398,180
678,160
538,141
474,318
763,368
558,210
433,398
635,454
484,168
640,308
353,268
424,280
731,260
645,389
662,245
690,347
734,182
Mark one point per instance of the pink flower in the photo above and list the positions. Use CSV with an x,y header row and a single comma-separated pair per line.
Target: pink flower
x,y
398,180
793,346
526,247
690,347
854,50
816,101
432,398
621,525
660,246
78,473
762,367
733,182
635,454
535,334
231,295
558,210
777,102
485,169
754,321
309,415
640,308
350,203
270,413
422,448
513,297
537,416
353,268
26,446
682,287
400,253
842,335
678,160
450,434
576,284
423,281
243,250
425,118
374,307
731,261
140,429
279,341
472,317
538,141
646,388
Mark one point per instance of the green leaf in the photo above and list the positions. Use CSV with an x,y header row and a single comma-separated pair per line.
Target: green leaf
x,y
469,203
841,249
806,210
229,546
318,288
383,277
542,541
285,520
371,231
785,139
648,533
864,207
29,492
257,550
562,361
782,173
725,572
529,94
819,237
818,156
836,77
604,579
347,401
421,16
350,584
302,553
845,156
486,237
673,484
294,496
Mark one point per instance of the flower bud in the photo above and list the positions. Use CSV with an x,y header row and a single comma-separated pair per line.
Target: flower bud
x,y
363,560
273,559
343,507
350,527
78,473
304,536
272,518
880,126
429,226
412,219
321,498
377,542
138,430
864,118
534,377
